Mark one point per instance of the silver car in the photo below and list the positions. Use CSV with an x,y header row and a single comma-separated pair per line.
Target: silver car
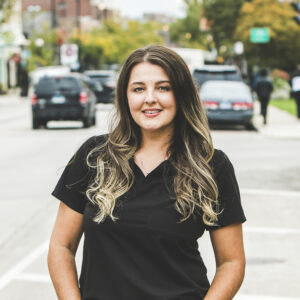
x,y
228,102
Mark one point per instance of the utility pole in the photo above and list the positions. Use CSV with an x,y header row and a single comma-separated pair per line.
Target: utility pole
x,y
53,14
53,26
78,13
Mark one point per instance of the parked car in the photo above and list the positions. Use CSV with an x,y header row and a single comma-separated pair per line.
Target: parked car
x,y
104,84
65,97
216,72
228,102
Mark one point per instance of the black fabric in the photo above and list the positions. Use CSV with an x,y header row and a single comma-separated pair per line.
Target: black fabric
x,y
297,99
146,254
264,88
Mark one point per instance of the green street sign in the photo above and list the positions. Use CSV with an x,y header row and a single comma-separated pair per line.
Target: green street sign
x,y
259,35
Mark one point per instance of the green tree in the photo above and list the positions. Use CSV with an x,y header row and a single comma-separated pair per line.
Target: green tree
x,y
186,32
42,55
222,16
114,41
281,51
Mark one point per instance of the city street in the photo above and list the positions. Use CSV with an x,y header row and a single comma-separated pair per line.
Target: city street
x,y
268,172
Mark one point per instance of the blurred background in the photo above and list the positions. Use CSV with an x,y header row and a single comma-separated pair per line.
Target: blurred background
x,y
59,64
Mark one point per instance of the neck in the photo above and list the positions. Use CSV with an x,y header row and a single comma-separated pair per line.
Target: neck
x,y
156,141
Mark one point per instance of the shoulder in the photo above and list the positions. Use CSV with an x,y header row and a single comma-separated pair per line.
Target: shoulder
x,y
219,162
91,143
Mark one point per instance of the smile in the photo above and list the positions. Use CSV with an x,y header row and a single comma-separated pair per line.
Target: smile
x,y
151,111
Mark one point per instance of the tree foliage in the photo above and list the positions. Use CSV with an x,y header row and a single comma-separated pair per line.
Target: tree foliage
x,y
41,56
222,16
114,41
282,50
186,32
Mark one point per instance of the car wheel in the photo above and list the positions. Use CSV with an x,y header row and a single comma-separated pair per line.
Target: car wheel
x,y
35,123
250,127
86,122
94,121
43,123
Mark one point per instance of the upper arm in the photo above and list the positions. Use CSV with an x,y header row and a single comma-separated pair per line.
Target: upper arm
x,y
228,244
67,230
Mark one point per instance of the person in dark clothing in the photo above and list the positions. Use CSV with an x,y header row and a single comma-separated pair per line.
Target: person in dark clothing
x,y
144,193
295,85
264,88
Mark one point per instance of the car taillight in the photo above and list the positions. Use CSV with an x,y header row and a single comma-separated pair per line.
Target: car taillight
x,y
242,105
211,104
83,98
34,99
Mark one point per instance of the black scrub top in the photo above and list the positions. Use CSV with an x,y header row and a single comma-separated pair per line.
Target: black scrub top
x,y
146,254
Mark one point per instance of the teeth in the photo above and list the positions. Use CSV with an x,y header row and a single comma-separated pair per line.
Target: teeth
x,y
151,111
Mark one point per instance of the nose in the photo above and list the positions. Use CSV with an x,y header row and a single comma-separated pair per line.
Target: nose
x,y
150,96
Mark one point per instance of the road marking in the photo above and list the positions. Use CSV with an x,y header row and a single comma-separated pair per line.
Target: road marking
x,y
283,193
33,277
23,264
268,230
257,297
271,192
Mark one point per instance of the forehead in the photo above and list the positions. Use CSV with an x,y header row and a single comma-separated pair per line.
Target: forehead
x,y
147,72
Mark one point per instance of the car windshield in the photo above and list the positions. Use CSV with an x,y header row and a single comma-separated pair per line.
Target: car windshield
x,y
101,78
203,76
221,90
49,85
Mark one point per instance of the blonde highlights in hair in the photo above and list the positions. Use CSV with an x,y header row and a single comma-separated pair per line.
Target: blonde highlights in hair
x,y
190,151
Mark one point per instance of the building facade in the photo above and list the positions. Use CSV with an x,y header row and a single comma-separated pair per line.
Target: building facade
x,y
63,15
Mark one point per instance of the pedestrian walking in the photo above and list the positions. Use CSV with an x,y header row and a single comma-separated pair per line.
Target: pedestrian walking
x,y
295,85
264,88
145,192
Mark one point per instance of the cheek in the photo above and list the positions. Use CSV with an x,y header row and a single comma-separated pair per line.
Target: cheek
x,y
133,105
170,103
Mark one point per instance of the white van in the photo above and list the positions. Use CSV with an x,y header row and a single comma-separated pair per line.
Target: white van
x,y
193,57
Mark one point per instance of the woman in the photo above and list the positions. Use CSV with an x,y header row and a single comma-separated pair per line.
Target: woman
x,y
144,194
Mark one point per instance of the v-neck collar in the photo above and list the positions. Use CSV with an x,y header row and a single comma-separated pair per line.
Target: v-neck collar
x,y
145,176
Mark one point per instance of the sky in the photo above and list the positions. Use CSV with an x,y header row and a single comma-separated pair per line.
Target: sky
x,y
136,8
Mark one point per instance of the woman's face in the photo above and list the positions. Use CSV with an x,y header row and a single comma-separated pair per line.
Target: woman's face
x,y
151,99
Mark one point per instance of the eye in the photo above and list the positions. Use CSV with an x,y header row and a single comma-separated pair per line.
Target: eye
x,y
138,89
164,88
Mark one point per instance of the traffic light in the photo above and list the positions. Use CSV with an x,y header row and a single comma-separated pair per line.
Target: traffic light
x,y
296,6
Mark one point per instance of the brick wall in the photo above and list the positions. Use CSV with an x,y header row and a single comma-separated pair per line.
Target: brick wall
x,y
64,8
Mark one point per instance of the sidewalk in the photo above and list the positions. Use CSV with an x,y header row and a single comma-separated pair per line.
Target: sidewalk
x,y
280,124
12,97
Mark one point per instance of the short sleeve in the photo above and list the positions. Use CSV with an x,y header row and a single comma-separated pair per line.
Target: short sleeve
x,y
72,185
230,207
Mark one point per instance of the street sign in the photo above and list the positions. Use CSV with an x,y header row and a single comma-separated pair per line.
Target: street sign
x,y
259,35
69,54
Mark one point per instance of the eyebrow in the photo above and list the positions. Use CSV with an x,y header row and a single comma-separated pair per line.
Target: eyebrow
x,y
158,82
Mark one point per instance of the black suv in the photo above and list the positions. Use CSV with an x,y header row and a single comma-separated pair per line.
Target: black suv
x,y
216,72
66,97
104,82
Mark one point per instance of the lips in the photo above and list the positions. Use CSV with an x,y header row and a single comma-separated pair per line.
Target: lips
x,y
151,112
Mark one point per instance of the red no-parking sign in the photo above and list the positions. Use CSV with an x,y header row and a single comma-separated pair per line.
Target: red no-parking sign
x,y
69,54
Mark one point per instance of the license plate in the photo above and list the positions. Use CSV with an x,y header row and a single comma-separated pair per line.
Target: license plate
x,y
225,105
42,101
58,99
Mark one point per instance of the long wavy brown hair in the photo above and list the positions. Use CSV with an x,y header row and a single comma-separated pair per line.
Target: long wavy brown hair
x,y
190,150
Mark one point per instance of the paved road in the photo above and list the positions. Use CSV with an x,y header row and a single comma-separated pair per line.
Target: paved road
x,y
268,170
